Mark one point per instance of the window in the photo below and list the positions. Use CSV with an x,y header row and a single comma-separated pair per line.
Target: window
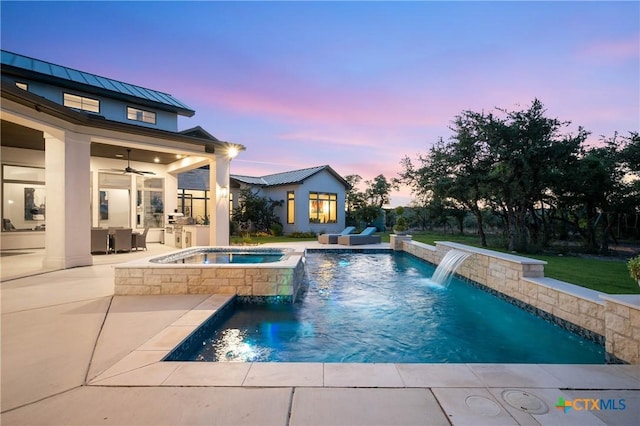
x,y
82,103
323,208
194,203
23,198
150,202
291,207
115,200
22,86
141,115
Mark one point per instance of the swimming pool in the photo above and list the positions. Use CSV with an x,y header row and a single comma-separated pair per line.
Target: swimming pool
x,y
383,308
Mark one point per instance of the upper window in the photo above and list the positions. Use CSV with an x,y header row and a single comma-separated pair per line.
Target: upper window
x,y
141,115
22,86
323,207
82,103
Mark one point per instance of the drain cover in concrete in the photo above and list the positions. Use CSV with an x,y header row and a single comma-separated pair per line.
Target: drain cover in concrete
x,y
482,406
525,401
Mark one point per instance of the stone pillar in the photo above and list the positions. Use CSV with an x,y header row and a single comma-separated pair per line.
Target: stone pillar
x,y
219,205
68,211
397,241
622,326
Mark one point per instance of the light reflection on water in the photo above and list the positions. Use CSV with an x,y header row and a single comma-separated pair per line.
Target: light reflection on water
x,y
384,308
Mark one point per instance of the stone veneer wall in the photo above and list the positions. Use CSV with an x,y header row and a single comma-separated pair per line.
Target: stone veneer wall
x,y
622,320
239,279
616,319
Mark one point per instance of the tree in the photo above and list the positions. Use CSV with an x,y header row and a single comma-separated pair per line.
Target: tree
x,y
506,160
378,191
354,199
255,213
592,190
528,151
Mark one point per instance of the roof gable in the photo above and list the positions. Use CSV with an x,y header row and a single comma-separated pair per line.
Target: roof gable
x,y
288,178
199,132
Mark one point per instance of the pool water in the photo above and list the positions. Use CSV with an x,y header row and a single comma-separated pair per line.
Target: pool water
x,y
383,308
215,256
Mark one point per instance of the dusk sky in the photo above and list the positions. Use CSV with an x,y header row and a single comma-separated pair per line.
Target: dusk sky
x,y
356,85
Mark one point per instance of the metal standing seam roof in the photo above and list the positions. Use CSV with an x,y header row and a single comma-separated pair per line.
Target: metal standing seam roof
x,y
81,77
285,178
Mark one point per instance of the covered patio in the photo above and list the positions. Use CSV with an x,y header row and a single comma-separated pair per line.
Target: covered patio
x,y
81,164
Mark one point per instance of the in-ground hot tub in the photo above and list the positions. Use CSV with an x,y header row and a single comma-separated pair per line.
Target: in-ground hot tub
x,y
216,255
273,274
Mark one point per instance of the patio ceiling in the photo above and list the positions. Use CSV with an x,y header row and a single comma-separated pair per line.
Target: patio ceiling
x,y
17,136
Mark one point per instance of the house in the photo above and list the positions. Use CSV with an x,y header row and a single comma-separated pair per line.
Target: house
x,y
81,150
314,198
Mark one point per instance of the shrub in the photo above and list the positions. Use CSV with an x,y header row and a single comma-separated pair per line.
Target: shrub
x,y
302,235
634,268
401,225
276,230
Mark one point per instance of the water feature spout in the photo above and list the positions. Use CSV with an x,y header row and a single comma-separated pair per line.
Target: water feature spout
x,y
450,262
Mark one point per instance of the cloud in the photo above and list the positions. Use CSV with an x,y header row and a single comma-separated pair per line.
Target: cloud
x,y
620,50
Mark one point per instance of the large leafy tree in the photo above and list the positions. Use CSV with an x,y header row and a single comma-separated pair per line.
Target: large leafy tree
x,y
507,160
593,190
528,152
378,191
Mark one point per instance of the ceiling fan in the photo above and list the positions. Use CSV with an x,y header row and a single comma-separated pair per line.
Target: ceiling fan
x,y
129,169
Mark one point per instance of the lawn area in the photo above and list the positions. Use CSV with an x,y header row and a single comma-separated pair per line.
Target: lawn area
x,y
605,275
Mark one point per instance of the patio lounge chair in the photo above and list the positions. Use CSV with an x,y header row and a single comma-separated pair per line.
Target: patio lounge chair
x,y
333,238
365,237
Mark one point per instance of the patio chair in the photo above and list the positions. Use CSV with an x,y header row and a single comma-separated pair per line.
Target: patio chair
x,y
7,225
139,240
365,237
333,238
121,240
99,240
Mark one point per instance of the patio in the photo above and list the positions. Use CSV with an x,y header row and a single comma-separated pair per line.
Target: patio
x,y
73,353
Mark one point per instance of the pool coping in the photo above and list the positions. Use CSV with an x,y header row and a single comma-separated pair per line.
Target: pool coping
x,y
144,366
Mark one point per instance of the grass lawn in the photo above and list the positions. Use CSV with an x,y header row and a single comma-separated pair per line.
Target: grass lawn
x,y
605,275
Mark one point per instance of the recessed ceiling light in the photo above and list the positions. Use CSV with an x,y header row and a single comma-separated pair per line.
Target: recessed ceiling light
x,y
119,156
178,156
156,160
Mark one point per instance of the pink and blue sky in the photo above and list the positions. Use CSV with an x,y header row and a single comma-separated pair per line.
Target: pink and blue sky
x,y
356,85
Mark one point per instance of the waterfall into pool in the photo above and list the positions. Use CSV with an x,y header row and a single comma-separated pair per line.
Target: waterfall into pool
x,y
450,262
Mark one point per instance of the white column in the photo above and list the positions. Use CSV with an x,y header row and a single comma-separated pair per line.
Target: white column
x,y
68,211
219,205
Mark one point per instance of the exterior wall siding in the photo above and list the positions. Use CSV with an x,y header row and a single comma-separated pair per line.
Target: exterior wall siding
x,y
111,109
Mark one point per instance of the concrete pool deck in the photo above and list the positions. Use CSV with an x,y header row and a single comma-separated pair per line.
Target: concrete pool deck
x,y
73,353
